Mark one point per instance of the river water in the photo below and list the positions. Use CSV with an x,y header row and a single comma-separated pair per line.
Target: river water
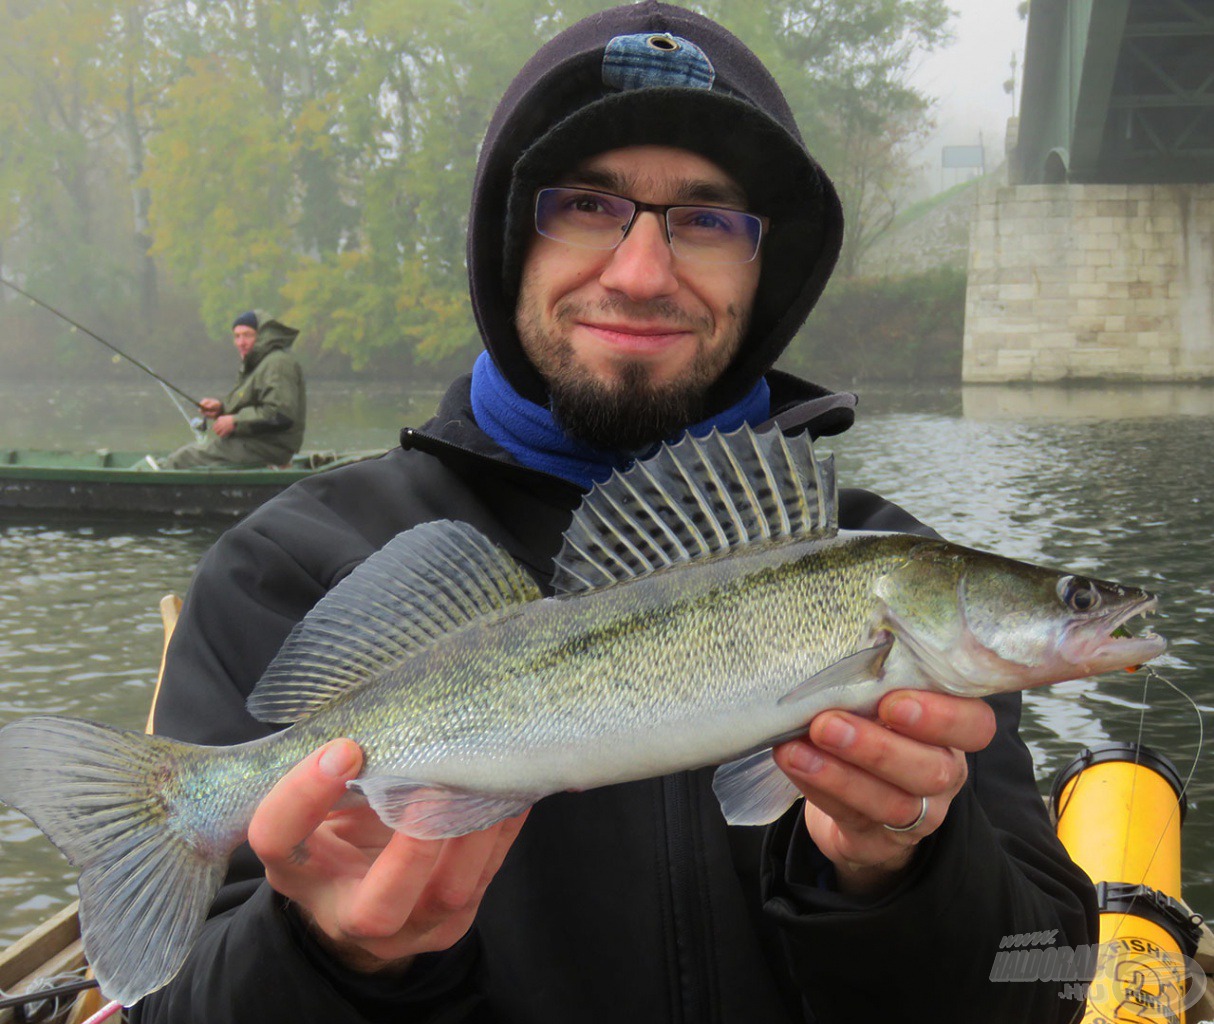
x,y
1113,482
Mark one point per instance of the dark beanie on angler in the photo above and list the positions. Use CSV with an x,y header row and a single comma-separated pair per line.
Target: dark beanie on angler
x,y
248,319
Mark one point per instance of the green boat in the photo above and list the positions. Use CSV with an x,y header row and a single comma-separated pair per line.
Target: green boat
x,y
129,483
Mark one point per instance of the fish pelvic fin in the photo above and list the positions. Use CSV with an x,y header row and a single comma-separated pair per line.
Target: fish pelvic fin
x,y
146,878
695,499
752,790
422,585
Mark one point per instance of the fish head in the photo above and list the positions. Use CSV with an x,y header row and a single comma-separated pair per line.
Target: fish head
x,y
973,623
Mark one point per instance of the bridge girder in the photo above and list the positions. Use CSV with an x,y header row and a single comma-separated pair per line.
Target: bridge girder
x,y
1118,91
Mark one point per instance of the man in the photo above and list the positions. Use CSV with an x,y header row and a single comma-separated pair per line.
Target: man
x,y
647,234
261,422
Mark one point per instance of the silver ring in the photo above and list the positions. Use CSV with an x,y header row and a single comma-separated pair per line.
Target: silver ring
x,y
914,824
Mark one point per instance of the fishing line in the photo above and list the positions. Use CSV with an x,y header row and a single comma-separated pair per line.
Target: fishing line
x,y
1153,673
189,420
96,337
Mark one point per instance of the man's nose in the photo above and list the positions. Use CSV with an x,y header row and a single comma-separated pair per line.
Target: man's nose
x,y
642,265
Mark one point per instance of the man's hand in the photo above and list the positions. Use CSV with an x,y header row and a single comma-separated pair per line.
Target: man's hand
x,y
859,775
224,426
374,897
211,407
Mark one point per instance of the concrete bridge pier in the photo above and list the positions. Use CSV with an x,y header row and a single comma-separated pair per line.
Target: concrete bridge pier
x,y
1091,281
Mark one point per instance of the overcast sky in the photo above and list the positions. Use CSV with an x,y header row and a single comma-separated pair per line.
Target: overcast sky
x,y
968,75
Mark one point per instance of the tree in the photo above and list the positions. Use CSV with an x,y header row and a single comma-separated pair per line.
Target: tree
x,y
845,66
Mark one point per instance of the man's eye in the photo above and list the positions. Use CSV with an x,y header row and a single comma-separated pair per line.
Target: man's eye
x,y
708,221
586,204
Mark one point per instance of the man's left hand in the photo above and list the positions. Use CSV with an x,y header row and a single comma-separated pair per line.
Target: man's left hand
x,y
858,775
224,426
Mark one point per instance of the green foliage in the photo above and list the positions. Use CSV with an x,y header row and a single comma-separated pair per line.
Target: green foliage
x,y
316,156
906,329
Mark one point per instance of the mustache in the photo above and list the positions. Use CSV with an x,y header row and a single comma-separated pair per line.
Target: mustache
x,y
663,310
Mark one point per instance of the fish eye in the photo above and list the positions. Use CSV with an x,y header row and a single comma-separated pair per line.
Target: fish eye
x,y
1078,594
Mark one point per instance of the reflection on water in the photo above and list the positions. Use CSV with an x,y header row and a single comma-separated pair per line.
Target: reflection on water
x,y
1111,482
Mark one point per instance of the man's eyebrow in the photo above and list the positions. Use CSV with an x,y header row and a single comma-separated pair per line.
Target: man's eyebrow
x,y
691,191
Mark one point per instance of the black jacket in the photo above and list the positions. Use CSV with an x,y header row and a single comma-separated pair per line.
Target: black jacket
x,y
629,903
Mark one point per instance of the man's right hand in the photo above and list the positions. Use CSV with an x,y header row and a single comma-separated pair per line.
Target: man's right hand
x,y
211,407
375,898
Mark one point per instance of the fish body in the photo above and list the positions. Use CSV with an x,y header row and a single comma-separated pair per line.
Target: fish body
x,y
706,608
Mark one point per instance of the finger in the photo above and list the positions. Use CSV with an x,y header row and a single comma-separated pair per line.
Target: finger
x,y
300,801
857,800
423,883
385,899
915,767
462,880
361,827
939,718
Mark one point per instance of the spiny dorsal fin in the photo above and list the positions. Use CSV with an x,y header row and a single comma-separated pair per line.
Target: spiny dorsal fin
x,y
694,499
422,585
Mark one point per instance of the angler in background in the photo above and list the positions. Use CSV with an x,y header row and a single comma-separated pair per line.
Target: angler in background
x,y
261,421
648,232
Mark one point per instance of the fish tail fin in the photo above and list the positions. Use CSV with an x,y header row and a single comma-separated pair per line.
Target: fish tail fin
x,y
147,874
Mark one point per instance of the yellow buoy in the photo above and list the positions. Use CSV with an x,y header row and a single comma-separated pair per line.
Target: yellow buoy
x,y
1119,810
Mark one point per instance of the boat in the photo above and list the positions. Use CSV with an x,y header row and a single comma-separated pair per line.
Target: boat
x,y
131,483
1118,810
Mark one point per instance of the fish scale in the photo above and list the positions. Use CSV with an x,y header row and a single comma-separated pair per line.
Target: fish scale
x,y
706,609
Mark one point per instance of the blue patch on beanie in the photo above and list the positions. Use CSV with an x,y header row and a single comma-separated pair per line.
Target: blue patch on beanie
x,y
248,319
656,59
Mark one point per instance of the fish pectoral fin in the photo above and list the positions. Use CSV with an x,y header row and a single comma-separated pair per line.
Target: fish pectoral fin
x,y
862,667
424,810
752,790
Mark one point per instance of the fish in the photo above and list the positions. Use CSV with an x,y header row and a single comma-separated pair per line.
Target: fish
x,y
705,607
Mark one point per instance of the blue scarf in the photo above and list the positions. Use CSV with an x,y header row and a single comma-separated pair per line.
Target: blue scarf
x,y
531,434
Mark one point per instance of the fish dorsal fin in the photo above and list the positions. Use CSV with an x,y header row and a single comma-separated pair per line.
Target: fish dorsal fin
x,y
422,585
694,499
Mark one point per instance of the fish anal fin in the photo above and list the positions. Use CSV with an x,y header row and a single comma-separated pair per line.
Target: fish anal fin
x,y
856,669
425,810
752,790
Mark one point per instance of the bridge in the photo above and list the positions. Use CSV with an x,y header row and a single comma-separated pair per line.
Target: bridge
x,y
1096,258
1118,91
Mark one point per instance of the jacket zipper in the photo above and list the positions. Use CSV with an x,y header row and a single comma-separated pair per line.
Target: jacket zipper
x,y
693,1002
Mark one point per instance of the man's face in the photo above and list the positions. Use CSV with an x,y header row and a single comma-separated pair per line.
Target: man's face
x,y
630,339
244,338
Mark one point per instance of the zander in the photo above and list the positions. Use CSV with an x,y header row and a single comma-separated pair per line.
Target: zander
x,y
706,608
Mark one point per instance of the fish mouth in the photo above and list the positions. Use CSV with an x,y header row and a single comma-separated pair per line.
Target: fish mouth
x,y
1113,642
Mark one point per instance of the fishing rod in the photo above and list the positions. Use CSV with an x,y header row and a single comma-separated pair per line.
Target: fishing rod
x,y
96,337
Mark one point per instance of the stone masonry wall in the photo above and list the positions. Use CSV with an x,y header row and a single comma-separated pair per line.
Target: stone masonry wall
x,y
1095,282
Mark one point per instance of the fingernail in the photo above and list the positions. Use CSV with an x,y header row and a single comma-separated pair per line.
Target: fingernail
x,y
804,759
836,733
338,760
904,711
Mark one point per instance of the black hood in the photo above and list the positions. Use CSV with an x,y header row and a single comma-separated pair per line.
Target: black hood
x,y
558,111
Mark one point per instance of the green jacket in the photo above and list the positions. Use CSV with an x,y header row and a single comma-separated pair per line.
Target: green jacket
x,y
269,399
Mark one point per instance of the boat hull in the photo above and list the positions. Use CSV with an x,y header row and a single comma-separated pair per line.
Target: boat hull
x,y
106,482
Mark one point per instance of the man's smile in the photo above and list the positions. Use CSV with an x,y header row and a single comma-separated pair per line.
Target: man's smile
x,y
638,338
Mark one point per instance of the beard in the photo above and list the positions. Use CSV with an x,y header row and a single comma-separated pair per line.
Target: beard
x,y
627,411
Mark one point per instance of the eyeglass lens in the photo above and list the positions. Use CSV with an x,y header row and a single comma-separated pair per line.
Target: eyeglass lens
x,y
600,220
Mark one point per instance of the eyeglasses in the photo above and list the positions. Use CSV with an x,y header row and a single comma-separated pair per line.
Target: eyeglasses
x,y
591,219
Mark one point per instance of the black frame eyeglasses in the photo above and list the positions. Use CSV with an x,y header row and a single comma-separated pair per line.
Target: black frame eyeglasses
x,y
591,219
